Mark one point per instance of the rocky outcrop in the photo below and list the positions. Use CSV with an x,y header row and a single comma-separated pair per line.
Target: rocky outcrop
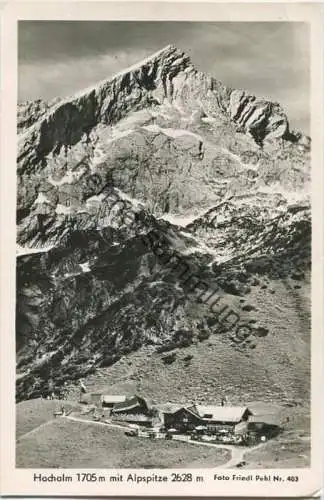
x,y
30,112
263,119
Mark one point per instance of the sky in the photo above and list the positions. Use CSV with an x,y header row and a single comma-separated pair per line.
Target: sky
x,y
269,59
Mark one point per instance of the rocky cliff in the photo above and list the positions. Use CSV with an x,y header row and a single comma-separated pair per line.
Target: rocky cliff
x,y
132,192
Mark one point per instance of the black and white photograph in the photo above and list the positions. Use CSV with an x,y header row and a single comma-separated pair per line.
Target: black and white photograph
x,y
163,267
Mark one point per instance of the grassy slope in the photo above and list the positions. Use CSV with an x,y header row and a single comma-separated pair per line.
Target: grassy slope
x,y
291,449
35,412
280,454
67,444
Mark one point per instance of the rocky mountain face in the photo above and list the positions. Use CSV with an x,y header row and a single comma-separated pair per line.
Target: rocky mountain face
x,y
149,209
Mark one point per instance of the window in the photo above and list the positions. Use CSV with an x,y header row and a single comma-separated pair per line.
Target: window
x,y
208,415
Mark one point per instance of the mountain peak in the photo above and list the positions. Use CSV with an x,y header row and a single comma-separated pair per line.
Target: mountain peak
x,y
169,56
167,49
165,78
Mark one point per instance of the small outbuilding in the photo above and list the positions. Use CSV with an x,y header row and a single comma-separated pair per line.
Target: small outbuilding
x,y
264,425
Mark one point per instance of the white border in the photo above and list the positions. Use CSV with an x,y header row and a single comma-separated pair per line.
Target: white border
x,y
19,481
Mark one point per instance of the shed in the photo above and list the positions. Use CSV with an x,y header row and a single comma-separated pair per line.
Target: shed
x,y
267,425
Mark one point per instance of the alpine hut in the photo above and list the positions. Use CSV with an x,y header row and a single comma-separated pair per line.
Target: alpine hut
x,y
222,417
181,418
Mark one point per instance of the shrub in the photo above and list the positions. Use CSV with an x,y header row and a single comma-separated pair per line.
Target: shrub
x,y
166,347
297,276
183,337
260,331
170,358
234,287
203,335
109,360
248,307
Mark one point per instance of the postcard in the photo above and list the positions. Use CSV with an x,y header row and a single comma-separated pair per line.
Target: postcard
x,y
161,258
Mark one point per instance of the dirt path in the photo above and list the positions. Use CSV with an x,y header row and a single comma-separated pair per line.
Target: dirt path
x,y
237,452
69,417
238,455
78,419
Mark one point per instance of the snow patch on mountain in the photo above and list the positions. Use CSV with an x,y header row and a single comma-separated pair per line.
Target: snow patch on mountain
x,y
20,251
171,132
96,199
85,267
135,203
63,209
69,178
291,197
41,198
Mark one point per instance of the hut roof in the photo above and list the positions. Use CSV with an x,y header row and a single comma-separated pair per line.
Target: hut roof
x,y
174,408
129,404
222,413
112,398
169,407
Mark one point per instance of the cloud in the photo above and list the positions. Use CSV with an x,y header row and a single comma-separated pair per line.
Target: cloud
x,y
68,76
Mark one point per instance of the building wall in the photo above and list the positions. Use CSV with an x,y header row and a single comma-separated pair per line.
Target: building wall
x,y
216,426
133,419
